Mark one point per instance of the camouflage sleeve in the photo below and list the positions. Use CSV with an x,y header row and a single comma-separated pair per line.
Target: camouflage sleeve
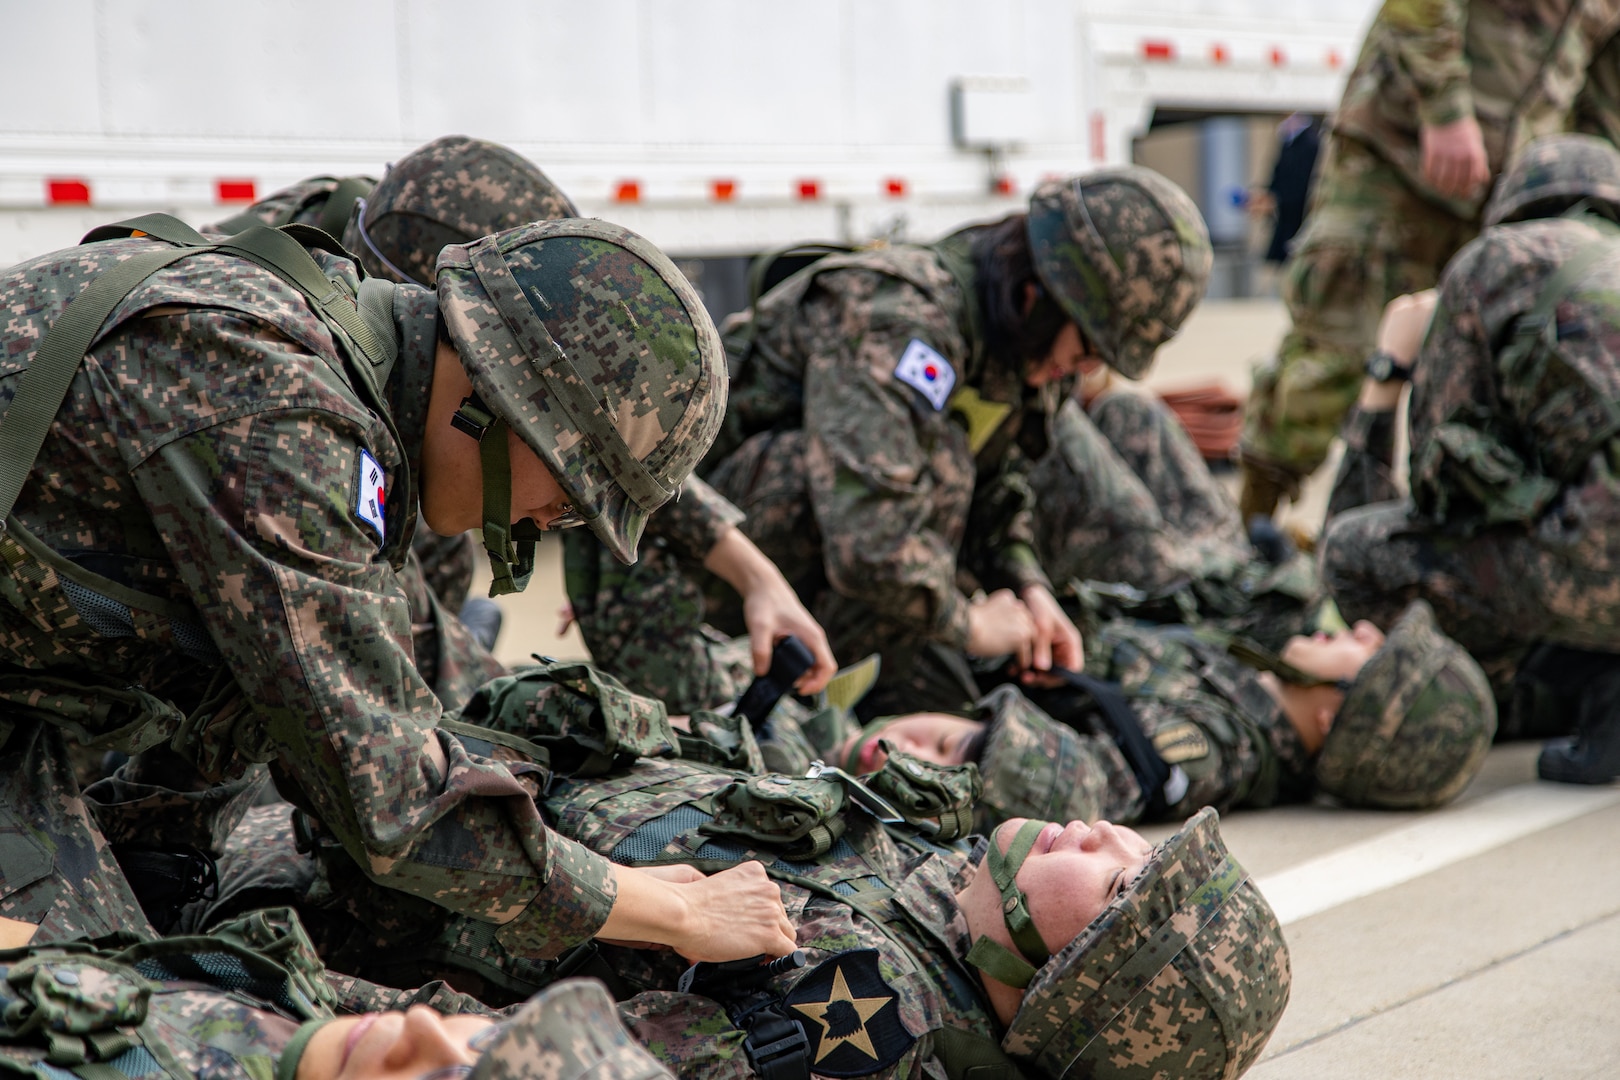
x,y
1367,470
887,471
1427,38
257,509
695,519
999,544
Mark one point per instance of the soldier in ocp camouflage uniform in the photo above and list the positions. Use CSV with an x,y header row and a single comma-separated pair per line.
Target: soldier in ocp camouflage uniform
x,y
1512,527
1243,727
1443,94
201,567
251,1000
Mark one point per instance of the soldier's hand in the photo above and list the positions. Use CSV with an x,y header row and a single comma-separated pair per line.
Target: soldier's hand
x,y
1057,641
735,913
1001,624
1454,161
771,609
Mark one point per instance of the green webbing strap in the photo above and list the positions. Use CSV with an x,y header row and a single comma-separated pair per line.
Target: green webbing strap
x,y
43,387
160,226
510,563
340,204
563,381
280,253
991,957
376,304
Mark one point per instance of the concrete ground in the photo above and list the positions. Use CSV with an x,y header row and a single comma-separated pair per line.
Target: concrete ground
x,y
1481,940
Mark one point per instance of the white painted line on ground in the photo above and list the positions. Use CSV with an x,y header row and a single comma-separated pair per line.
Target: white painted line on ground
x,y
1440,839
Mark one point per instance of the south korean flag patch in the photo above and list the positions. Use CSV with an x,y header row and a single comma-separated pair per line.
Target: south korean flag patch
x,y
926,371
850,1015
370,497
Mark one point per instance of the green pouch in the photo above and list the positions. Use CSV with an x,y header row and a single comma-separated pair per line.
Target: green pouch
x,y
924,792
726,741
585,719
75,1002
800,815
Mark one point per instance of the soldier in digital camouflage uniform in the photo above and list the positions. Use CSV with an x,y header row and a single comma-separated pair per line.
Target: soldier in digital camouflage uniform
x,y
1442,95
881,403
450,191
251,1000
894,926
1127,504
202,564
1243,727
1512,526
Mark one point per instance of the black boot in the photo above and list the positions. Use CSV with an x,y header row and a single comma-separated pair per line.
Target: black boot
x,y
1592,754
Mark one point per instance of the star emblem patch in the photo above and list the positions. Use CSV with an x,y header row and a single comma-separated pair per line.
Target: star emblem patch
x,y
850,1015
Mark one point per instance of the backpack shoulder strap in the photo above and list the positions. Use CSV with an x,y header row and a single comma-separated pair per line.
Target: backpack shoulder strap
x,y
340,204
42,388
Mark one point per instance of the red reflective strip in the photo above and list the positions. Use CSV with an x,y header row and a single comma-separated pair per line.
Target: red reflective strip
x,y
1219,54
627,191
723,190
1334,60
1278,59
1006,185
67,192
235,191
1099,146
894,187
1158,50
809,189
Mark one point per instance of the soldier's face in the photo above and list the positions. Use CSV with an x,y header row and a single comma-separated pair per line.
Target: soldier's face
x,y
935,737
1073,872
1334,656
1068,352
385,1046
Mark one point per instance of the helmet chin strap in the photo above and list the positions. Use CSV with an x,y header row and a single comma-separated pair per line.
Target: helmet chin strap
x,y
511,556
992,957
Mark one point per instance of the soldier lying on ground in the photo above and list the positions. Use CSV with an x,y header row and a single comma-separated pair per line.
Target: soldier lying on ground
x,y
1512,526
1402,722
452,191
202,558
251,1000
925,952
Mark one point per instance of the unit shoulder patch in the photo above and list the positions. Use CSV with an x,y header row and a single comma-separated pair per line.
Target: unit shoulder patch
x,y
370,495
924,370
850,1015
1181,742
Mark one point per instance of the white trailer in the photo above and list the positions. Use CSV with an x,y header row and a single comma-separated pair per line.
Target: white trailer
x,y
715,127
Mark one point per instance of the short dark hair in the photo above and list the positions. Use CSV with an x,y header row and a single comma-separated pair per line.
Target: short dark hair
x,y
1003,266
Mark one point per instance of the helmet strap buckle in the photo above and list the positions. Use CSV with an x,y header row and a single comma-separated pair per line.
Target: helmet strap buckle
x,y
473,418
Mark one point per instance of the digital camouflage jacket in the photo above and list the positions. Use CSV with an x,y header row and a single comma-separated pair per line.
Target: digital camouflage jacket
x,y
217,520
866,437
1204,711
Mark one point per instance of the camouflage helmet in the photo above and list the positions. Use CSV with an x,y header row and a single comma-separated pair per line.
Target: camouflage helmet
x,y
571,1031
1185,974
1126,254
587,340
451,191
1031,765
1553,173
1415,723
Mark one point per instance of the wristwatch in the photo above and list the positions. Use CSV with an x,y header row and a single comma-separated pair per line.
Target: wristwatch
x,y
1383,367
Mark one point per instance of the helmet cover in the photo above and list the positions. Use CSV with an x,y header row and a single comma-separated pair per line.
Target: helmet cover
x,y
1553,173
